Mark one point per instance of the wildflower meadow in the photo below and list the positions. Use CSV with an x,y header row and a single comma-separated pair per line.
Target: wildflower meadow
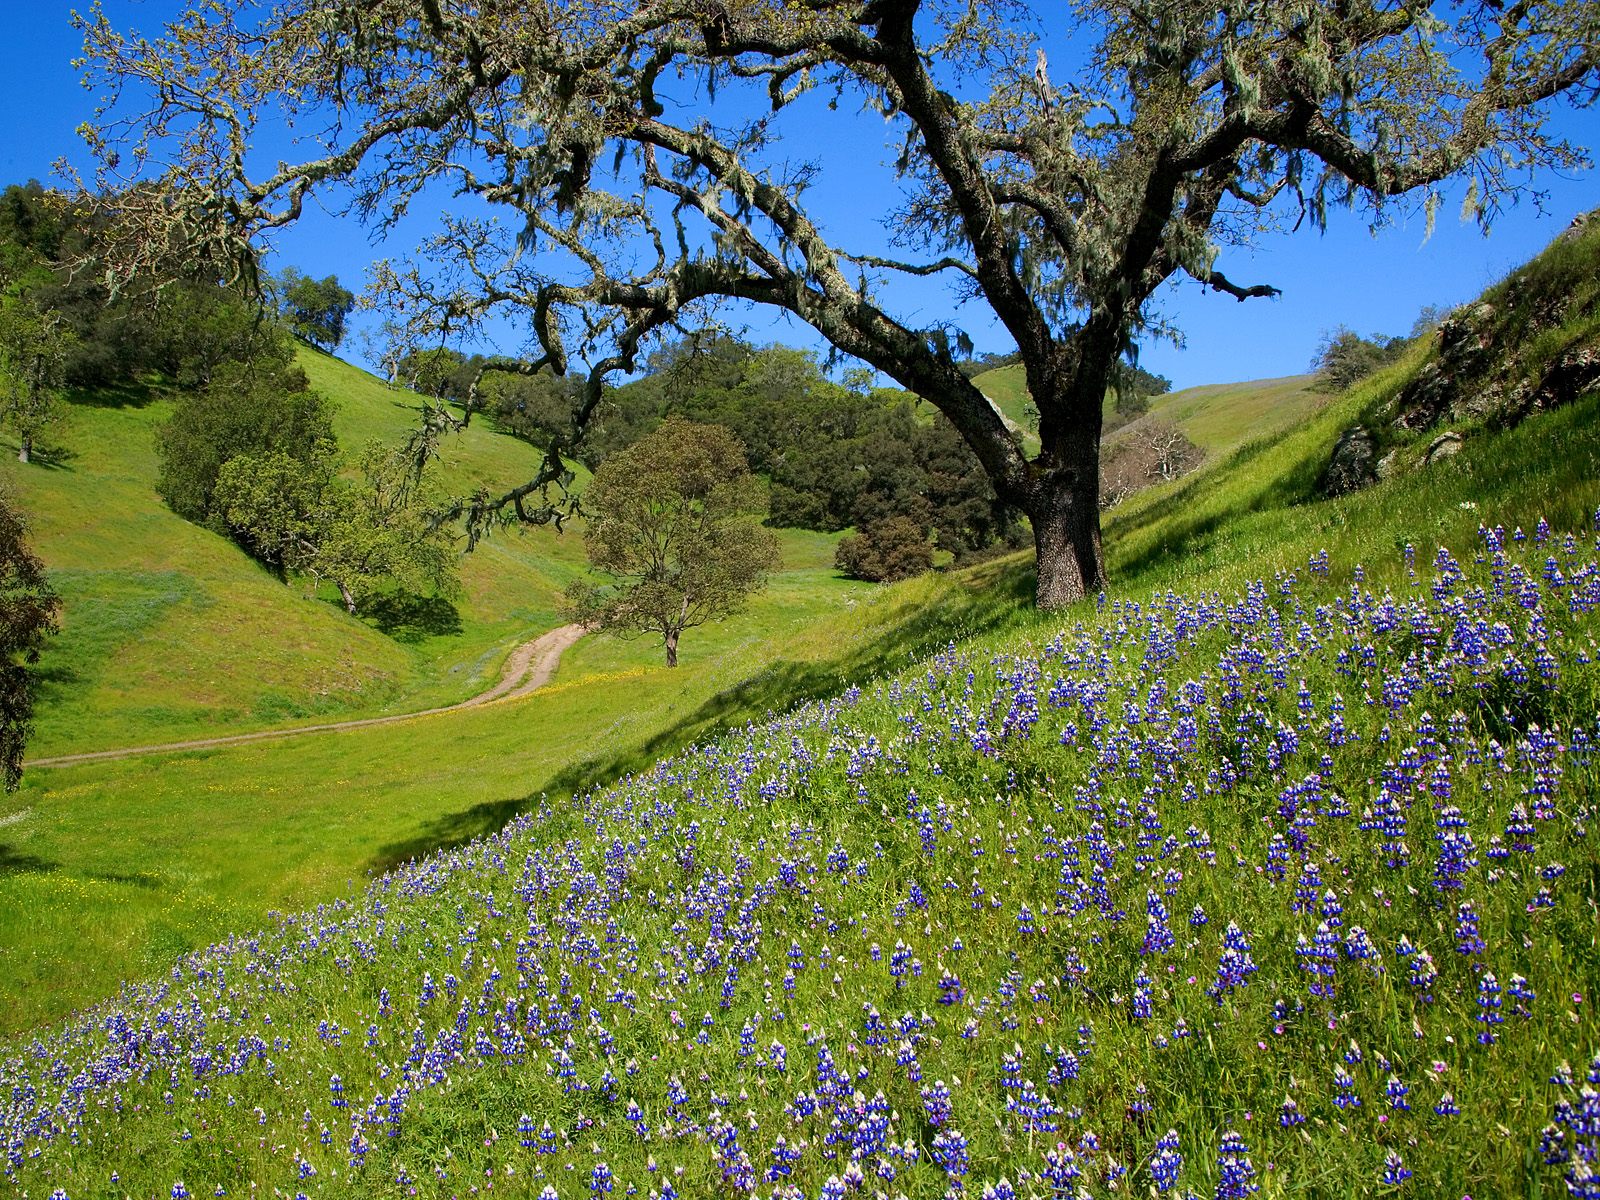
x,y
1286,891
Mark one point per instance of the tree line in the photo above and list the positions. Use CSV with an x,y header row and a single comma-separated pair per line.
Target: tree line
x,y
835,455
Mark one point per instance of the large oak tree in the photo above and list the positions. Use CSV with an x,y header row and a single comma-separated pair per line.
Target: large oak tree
x,y
631,168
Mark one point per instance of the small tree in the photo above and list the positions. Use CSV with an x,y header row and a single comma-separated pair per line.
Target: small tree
x,y
33,357
28,611
672,521
314,309
299,515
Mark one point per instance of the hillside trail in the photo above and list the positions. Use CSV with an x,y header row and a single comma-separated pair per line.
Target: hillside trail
x,y
529,668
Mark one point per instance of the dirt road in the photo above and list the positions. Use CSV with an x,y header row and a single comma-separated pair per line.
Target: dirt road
x,y
529,668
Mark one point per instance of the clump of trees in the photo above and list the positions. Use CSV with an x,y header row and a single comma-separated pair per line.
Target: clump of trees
x,y
29,613
259,407
361,535
837,455
1344,357
674,524
252,455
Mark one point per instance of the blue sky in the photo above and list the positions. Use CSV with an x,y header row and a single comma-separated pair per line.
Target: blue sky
x,y
1349,276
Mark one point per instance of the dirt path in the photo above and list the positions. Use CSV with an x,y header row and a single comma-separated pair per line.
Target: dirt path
x,y
529,668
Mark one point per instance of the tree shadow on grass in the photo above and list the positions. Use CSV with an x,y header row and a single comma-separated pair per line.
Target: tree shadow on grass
x,y
13,862
127,393
999,595
408,617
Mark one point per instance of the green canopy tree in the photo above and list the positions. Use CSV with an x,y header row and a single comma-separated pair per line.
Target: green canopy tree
x,y
673,520
34,344
314,309
636,153
300,515
29,612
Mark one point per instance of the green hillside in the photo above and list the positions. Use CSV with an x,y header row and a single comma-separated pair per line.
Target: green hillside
x,y
170,631
1216,417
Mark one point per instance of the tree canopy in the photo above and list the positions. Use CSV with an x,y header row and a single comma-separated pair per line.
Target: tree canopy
x,y
314,310
673,522
637,154
29,608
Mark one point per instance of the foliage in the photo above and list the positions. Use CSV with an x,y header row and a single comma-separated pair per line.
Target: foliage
x,y
174,320
29,611
439,372
259,408
671,521
299,515
887,550
1345,357
34,347
638,148
836,456
314,310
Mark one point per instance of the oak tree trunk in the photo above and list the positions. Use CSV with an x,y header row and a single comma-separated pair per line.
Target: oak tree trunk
x,y
1063,500
1066,539
672,648
25,450
349,600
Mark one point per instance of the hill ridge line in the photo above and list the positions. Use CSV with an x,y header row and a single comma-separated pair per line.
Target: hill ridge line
x,y
529,668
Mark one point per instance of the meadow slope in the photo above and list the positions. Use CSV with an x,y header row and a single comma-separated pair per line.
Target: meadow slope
x,y
1273,871
1285,880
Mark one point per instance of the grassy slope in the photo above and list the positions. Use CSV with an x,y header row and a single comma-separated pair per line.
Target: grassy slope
x,y
1216,417
170,632
1241,1060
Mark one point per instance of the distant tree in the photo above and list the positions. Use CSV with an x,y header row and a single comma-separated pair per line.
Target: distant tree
x,y
299,515
673,522
440,373
257,408
1145,453
887,550
34,344
1429,318
528,406
29,608
314,309
1344,357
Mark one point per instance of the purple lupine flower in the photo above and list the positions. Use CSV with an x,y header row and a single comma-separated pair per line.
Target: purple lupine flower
x,y
1237,1175
1395,1171
1166,1163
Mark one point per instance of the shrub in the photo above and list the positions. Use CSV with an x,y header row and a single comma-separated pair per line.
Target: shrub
x,y
894,548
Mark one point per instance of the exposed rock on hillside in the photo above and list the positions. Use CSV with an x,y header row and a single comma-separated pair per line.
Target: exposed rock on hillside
x,y
1351,467
1528,345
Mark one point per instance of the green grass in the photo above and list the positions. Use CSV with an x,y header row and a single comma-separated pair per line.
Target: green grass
x,y
223,833
108,869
